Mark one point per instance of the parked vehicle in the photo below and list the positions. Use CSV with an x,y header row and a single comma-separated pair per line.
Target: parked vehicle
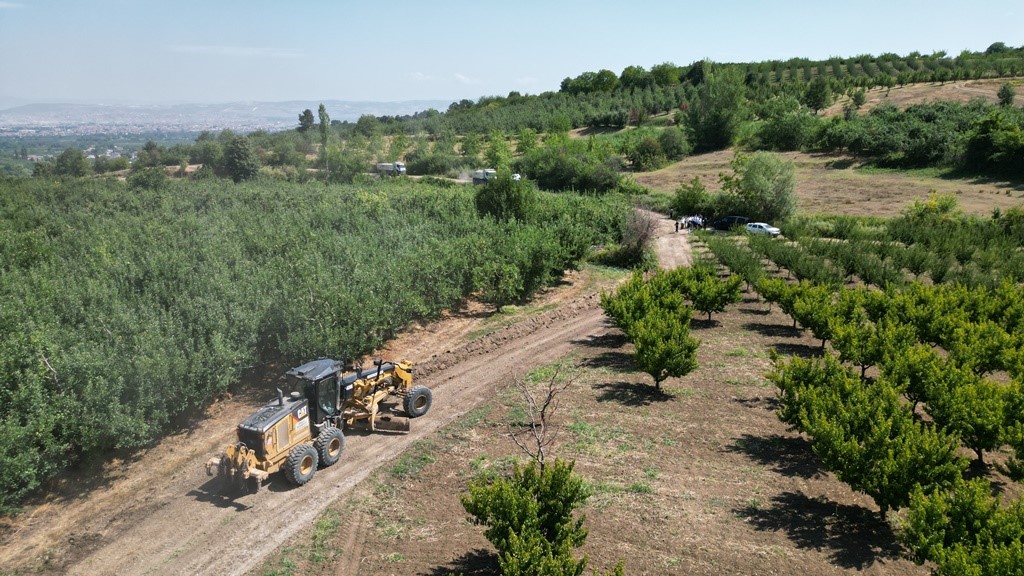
x,y
485,175
762,228
391,168
729,222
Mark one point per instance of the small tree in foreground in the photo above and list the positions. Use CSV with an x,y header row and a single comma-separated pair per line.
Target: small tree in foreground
x,y
664,347
531,514
530,520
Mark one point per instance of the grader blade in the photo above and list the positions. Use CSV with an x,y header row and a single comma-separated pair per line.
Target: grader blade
x,y
389,423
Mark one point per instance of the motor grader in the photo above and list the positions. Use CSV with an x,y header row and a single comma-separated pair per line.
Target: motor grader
x,y
303,430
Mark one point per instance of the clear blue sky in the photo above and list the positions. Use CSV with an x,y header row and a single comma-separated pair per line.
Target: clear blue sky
x,y
262,50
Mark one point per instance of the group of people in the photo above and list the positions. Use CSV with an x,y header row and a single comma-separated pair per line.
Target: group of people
x,y
688,222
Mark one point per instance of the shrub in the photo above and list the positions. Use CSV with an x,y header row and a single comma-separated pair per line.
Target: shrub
x,y
530,518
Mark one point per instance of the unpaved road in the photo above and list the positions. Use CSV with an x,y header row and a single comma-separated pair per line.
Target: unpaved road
x,y
161,514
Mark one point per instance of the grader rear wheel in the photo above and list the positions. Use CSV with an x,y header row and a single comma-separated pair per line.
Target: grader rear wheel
x,y
330,443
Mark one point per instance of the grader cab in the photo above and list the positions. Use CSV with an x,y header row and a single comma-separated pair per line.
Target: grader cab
x,y
302,431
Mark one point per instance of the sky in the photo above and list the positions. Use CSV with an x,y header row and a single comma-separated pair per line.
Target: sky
x,y
213,51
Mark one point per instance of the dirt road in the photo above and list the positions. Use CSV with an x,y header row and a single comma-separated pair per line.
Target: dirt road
x,y
160,514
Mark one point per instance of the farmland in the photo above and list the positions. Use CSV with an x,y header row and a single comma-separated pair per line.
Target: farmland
x,y
145,314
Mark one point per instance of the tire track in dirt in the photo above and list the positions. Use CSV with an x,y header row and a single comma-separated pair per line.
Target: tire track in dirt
x,y
352,554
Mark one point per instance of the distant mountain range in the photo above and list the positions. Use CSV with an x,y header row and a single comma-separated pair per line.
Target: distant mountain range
x,y
44,119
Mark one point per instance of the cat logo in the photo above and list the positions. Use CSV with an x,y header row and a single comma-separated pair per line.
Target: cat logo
x,y
299,418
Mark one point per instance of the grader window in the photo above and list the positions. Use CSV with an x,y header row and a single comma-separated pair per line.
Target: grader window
x,y
327,396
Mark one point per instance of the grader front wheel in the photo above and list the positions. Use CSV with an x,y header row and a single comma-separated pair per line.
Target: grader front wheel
x,y
301,464
418,401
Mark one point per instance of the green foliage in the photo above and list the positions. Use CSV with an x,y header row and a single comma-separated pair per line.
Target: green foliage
x,y
764,184
646,155
506,199
674,143
572,165
818,95
968,406
738,259
786,126
154,179
324,127
526,140
964,530
653,316
530,517
714,118
704,289
864,433
498,154
691,198
103,164
1006,94
240,160
306,121
664,348
858,97
71,164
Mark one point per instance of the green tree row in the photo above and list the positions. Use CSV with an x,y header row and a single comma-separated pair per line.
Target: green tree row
x,y
121,308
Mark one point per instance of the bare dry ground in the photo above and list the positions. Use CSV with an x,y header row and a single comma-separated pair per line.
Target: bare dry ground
x,y
834,184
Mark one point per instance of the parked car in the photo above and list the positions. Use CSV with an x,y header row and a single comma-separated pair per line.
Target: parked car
x,y
762,228
729,222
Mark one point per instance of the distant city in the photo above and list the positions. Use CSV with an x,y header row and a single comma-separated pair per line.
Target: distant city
x,y
123,119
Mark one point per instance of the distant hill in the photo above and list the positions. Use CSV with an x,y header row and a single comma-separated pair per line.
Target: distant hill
x,y
44,119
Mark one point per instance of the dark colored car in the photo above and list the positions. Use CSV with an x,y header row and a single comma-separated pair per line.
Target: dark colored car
x,y
729,222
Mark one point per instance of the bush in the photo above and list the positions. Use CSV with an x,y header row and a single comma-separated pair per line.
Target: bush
x,y
147,179
434,164
506,199
571,166
763,184
530,518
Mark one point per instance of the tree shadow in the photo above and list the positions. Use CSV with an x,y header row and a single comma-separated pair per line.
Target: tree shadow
x,y
614,339
801,350
767,402
631,393
788,455
477,562
841,163
703,323
774,330
980,179
853,537
597,130
755,311
616,361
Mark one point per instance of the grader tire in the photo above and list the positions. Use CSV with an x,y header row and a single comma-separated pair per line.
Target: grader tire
x,y
301,464
330,443
417,401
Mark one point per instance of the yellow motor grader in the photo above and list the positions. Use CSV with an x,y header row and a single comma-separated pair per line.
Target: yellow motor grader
x,y
303,430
